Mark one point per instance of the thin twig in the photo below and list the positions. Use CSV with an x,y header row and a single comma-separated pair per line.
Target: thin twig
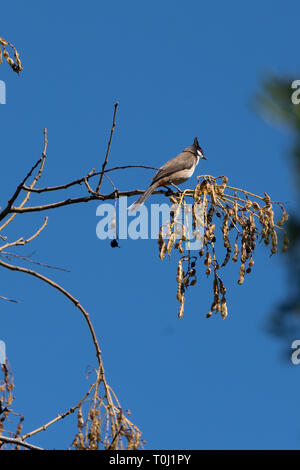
x,y
7,255
108,148
35,180
23,242
87,177
6,210
60,416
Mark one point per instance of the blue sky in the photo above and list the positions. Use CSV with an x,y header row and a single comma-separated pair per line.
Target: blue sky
x,y
178,69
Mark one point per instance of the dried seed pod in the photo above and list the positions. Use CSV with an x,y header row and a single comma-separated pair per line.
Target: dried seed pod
x,y
209,233
261,216
242,274
243,252
273,250
181,309
183,233
201,252
10,61
212,194
225,230
284,217
179,246
267,199
224,312
162,244
80,420
179,292
210,214
266,236
216,288
198,191
163,250
3,42
236,252
179,276
274,241
208,236
171,243
209,314
207,260
222,288
227,257
269,216
221,188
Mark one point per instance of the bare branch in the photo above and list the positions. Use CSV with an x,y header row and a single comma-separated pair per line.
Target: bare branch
x,y
108,148
60,416
10,440
92,174
78,200
17,191
65,293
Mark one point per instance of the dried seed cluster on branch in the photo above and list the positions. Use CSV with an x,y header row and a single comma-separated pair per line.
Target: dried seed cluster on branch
x,y
8,418
225,216
15,63
101,421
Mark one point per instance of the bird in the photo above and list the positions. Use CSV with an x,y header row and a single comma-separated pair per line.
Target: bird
x,y
175,171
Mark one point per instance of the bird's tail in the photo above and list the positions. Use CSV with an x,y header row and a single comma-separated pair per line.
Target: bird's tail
x,y
140,201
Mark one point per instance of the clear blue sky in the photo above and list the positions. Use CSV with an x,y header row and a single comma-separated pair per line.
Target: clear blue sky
x,y
178,69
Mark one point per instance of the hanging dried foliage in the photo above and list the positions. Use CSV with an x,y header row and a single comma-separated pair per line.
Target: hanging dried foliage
x,y
15,63
242,218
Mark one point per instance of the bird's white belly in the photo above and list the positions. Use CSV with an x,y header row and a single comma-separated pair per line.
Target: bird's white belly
x,y
181,176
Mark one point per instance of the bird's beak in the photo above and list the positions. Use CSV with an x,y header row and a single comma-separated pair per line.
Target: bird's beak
x,y
200,154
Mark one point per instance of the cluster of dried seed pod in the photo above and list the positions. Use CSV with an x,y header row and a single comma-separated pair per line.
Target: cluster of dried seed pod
x,y
219,300
15,63
7,415
105,425
174,233
243,219
185,278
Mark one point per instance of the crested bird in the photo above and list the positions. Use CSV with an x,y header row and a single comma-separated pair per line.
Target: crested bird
x,y
175,171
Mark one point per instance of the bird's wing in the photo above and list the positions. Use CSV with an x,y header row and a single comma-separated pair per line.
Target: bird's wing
x,y
183,161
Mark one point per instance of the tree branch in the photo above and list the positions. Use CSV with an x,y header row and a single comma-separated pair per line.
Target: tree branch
x,y
108,148
95,196
11,440
87,177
